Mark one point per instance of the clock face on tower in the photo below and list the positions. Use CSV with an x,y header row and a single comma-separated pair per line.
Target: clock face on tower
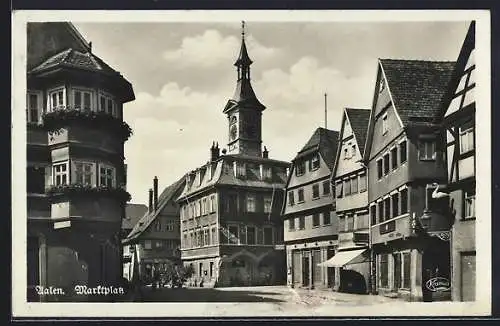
x,y
233,132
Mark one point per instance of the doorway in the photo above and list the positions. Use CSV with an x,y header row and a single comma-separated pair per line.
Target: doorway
x,y
305,271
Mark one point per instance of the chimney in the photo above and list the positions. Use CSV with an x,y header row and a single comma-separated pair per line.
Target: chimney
x,y
155,192
150,200
265,153
214,152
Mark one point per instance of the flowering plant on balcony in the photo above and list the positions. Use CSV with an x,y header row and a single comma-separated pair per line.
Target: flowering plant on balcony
x,y
89,190
55,120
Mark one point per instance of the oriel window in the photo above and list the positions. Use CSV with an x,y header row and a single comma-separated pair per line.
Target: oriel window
x,y
106,176
60,174
84,173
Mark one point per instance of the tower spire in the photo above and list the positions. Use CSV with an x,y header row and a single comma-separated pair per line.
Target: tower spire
x,y
243,30
243,62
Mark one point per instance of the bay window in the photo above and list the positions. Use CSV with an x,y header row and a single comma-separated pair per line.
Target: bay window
x,y
57,99
82,99
427,149
106,175
61,176
83,173
107,104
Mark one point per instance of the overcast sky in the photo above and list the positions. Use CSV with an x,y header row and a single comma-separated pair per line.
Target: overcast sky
x,y
183,75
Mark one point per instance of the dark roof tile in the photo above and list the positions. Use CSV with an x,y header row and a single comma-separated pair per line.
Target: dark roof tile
x,y
359,119
325,141
417,87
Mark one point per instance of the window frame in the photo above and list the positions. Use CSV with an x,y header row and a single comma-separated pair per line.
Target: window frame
x,y
108,168
93,174
300,168
316,220
386,163
315,191
380,168
302,222
291,198
354,185
394,158
403,158
39,106
83,91
327,221
299,192
107,98
467,132
362,181
314,163
268,204
423,144
326,185
291,224
385,127
339,184
250,199
65,173
50,93
466,206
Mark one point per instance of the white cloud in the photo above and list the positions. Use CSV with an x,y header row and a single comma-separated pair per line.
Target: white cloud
x,y
211,48
174,129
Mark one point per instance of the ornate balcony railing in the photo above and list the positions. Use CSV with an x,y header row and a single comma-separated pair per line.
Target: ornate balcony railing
x,y
64,116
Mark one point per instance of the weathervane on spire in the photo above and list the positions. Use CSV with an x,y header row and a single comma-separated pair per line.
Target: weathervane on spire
x,y
243,29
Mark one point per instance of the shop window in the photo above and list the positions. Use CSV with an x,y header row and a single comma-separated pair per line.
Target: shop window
x,y
383,270
397,270
406,270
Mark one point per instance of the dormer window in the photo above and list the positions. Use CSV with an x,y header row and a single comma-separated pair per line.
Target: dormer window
x,y
301,168
240,169
385,126
314,163
265,172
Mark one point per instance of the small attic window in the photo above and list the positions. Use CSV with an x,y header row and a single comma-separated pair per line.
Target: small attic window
x,y
314,163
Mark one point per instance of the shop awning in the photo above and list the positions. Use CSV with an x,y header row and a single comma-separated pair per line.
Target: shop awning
x,y
343,258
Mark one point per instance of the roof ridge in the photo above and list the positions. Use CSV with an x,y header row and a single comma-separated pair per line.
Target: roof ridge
x,y
416,60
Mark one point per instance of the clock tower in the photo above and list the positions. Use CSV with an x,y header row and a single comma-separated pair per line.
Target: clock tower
x,y
243,110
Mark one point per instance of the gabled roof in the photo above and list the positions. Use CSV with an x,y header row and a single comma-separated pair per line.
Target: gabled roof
x,y
133,212
359,119
417,90
324,141
75,59
417,87
168,195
